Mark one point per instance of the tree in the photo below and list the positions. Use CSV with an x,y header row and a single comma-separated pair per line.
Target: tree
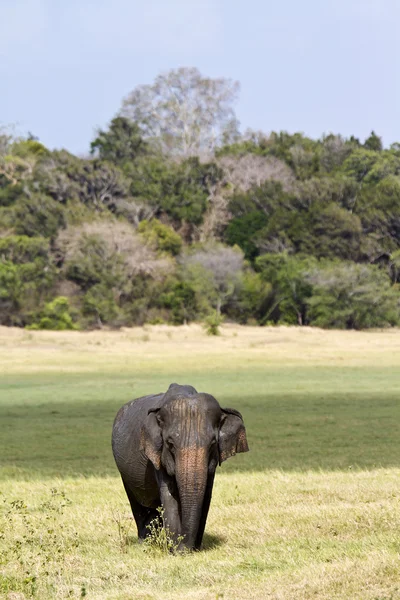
x,y
19,158
300,153
324,190
27,275
387,164
254,213
147,176
378,207
288,277
37,215
351,296
242,231
329,232
94,183
249,170
360,162
304,160
186,190
21,249
5,141
214,271
119,274
253,298
160,237
107,252
181,300
187,113
179,190
239,174
394,267
335,150
122,143
374,142
216,215
265,198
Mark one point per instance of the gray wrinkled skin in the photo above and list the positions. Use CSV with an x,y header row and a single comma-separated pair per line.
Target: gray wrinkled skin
x,y
167,447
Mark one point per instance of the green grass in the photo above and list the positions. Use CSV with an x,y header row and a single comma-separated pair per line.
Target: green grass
x,y
313,510
297,419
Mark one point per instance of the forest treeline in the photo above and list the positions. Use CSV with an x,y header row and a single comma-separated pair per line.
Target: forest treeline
x,y
175,216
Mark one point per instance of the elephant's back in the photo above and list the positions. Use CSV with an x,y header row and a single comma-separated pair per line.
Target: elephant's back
x,y
127,427
135,411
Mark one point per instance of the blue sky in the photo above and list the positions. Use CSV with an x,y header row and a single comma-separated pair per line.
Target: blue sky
x,y
304,65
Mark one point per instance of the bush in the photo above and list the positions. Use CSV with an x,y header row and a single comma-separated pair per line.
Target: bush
x,y
212,323
37,215
159,539
22,249
56,315
181,300
160,237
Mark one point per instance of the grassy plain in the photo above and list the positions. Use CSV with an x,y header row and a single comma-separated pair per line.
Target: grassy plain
x,y
312,511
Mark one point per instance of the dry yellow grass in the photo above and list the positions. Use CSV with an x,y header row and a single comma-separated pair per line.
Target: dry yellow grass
x,y
146,348
328,536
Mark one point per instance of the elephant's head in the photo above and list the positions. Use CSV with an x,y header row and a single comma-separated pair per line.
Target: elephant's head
x,y
188,437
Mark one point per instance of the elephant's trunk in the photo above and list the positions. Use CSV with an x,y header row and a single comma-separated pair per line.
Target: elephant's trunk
x,y
191,475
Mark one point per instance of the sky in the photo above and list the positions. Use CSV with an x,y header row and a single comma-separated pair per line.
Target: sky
x,y
313,66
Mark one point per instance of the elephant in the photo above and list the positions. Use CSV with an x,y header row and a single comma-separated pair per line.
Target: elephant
x,y
167,447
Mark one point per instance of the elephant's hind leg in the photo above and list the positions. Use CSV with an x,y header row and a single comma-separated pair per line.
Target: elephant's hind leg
x,y
142,515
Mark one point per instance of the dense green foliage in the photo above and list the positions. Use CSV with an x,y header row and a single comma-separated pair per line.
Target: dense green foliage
x,y
140,234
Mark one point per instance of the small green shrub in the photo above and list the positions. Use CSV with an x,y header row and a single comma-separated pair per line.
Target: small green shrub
x,y
181,301
212,323
161,237
56,315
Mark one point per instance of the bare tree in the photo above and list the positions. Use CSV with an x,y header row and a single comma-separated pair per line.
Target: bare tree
x,y
120,239
301,157
217,214
187,113
249,170
220,267
5,140
241,173
335,151
134,210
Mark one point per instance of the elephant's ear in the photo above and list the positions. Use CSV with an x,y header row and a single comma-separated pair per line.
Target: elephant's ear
x,y
151,438
232,434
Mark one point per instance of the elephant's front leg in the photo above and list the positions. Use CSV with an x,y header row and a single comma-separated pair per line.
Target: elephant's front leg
x,y
170,502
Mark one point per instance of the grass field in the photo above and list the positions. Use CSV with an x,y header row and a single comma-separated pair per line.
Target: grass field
x,y
312,511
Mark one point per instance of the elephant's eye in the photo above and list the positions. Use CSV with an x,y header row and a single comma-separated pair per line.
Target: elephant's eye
x,y
171,446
